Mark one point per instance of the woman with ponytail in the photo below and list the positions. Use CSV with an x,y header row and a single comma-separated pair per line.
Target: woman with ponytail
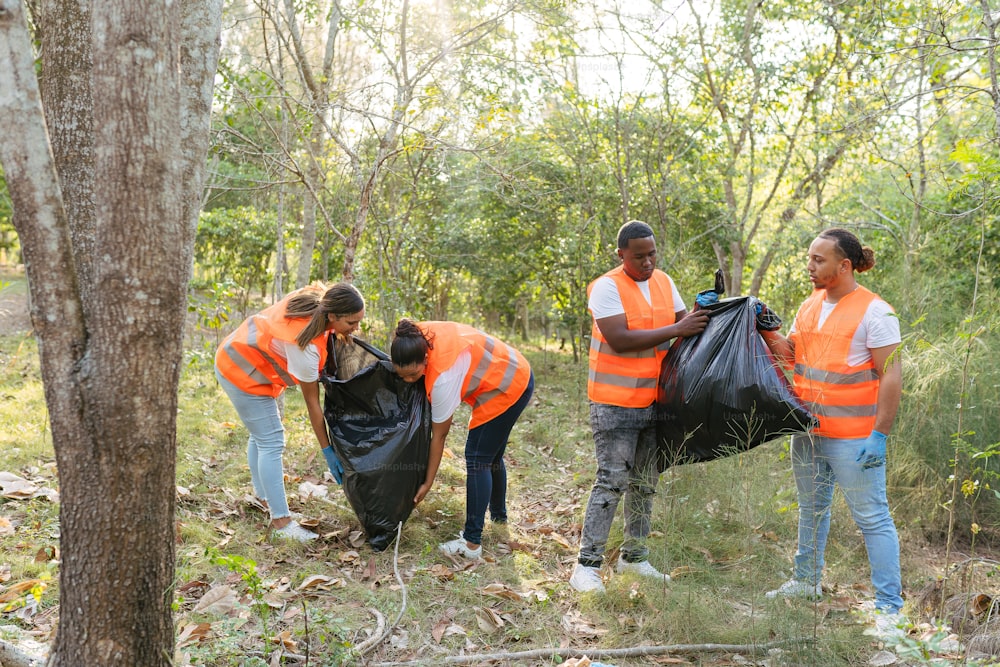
x,y
462,364
282,346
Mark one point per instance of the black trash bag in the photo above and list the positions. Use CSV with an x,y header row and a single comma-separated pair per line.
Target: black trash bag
x,y
721,392
380,428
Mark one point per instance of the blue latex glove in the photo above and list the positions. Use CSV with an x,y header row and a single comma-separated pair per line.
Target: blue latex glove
x,y
336,468
707,298
873,453
767,319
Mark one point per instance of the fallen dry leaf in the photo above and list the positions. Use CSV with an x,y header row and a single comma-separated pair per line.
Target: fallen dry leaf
x,y
442,572
502,591
17,488
576,625
980,604
47,554
561,540
6,527
285,639
309,490
194,588
13,486
882,659
455,629
489,621
218,600
192,633
321,582
20,588
682,570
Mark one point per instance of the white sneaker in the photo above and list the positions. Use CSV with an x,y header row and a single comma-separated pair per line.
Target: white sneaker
x,y
458,547
294,531
890,627
642,568
586,579
793,588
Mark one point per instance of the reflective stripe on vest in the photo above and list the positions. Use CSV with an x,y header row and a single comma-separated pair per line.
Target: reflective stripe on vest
x,y
497,376
843,397
629,379
245,357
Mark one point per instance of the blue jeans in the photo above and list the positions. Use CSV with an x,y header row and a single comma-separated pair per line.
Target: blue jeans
x,y
486,474
265,446
818,464
625,444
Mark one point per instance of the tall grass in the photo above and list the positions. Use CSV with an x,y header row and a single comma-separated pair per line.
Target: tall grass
x,y
725,529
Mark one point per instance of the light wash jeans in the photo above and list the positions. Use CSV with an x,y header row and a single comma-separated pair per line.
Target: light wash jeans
x,y
818,464
265,446
625,444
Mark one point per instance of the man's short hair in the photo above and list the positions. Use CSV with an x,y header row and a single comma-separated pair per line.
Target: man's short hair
x,y
633,229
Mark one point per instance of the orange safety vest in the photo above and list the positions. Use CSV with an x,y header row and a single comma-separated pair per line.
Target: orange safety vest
x,y
629,379
843,397
246,359
496,378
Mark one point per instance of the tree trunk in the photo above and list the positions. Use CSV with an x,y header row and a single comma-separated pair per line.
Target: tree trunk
x,y
67,96
111,349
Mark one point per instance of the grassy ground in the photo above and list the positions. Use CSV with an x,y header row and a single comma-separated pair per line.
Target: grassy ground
x,y
725,530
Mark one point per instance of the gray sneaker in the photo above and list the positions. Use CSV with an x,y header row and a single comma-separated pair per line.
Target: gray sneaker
x,y
643,568
586,579
459,547
793,588
890,627
293,531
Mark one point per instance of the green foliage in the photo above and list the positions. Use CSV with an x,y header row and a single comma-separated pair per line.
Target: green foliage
x,y
213,310
236,247
246,569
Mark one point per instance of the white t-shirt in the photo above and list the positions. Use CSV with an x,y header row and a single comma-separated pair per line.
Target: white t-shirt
x,y
605,301
446,394
879,327
303,365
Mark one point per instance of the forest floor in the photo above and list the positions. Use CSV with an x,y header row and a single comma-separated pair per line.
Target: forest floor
x,y
14,316
725,531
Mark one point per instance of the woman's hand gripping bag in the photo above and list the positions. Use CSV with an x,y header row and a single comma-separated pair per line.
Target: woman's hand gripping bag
x,y
380,428
721,392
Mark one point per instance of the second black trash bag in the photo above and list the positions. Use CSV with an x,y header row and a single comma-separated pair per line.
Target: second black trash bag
x,y
720,392
380,428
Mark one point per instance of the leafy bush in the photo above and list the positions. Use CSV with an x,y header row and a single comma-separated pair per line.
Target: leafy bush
x,y
235,245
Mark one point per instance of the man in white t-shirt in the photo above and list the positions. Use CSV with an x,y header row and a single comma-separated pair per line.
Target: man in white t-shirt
x,y
637,311
842,344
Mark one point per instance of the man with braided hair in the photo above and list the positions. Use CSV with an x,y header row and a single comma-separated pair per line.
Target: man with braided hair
x,y
842,345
